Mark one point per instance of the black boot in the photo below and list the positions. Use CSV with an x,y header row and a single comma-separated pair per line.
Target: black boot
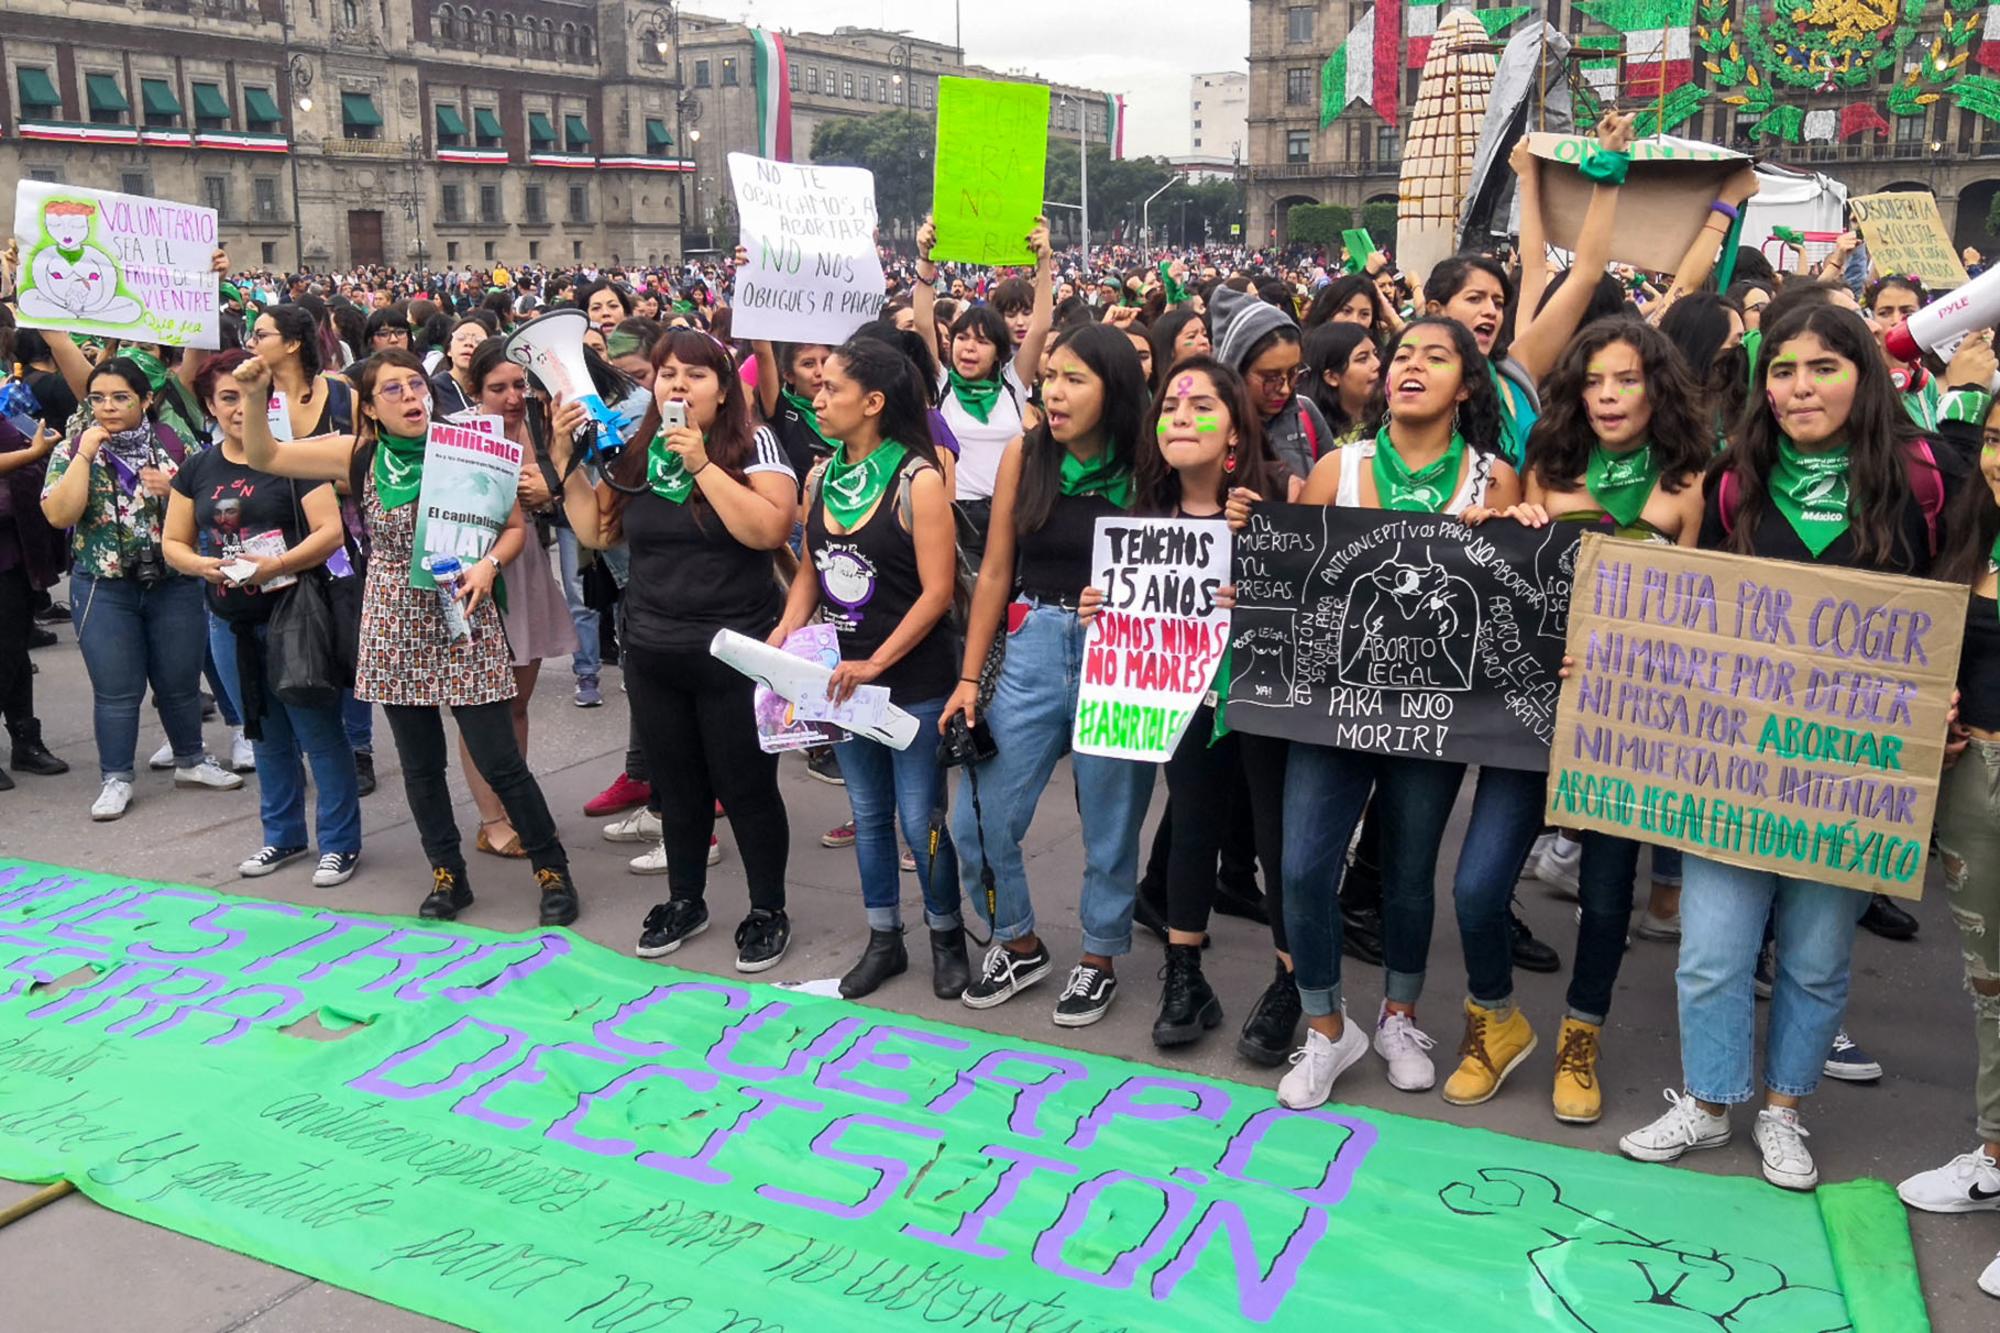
x,y
1273,1022
1530,954
884,957
1361,933
364,773
950,972
1887,918
1149,909
1188,1006
560,905
30,755
449,895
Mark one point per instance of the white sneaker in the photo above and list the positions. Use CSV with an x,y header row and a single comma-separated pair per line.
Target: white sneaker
x,y
1968,1183
112,801
163,758
207,773
1318,1063
641,825
653,862
1559,865
242,759
1782,1140
1684,1126
1989,1281
1661,929
1531,868
714,850
1403,1044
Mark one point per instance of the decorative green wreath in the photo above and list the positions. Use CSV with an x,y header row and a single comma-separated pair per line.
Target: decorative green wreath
x,y
1786,47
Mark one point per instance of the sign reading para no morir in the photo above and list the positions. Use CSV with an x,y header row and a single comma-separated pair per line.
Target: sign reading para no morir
x,y
813,273
1154,648
1774,715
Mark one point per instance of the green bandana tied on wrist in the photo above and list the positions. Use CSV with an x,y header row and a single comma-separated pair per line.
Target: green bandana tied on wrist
x,y
1424,491
850,490
803,405
1176,294
1622,483
1605,167
975,396
399,469
1100,476
665,473
1810,490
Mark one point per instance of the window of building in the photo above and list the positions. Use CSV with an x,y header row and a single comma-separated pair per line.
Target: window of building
x,y
1298,146
486,131
1388,144
350,14
359,118
162,108
450,126
701,74
215,194
658,141
541,132
729,71
132,182
846,84
489,203
579,203
812,79
930,92
107,100
451,251
260,110
211,108
535,208
451,202
832,82
46,175
1299,23
1298,86
270,249
1909,129
576,135
792,74
38,92
534,250
264,196
882,91
1197,141
867,89
487,250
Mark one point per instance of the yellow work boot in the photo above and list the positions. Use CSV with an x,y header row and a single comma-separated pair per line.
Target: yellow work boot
x,y
1494,1044
1579,1100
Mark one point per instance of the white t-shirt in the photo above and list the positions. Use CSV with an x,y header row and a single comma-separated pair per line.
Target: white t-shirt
x,y
980,443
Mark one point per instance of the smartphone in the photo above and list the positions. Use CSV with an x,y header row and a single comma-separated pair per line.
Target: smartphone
x,y
673,415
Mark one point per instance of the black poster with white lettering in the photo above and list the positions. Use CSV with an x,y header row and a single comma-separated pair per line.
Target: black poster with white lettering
x,y
1404,634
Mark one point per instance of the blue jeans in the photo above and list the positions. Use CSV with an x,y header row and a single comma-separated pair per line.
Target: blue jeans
x,y
1604,886
319,735
1032,716
225,693
1325,792
1722,923
885,786
132,635
585,661
1506,816
357,720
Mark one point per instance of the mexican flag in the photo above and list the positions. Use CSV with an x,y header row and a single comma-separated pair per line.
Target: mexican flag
x,y
773,84
1658,54
1987,52
1420,24
1114,124
1366,67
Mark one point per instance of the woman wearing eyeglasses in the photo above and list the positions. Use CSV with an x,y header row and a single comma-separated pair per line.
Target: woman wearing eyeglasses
x,y
1261,343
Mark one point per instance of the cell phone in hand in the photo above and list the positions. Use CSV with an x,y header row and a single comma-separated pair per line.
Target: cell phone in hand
x,y
673,415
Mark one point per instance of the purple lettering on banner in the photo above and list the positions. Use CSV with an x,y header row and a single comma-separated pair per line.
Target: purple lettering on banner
x,y
402,963
565,1130
80,1002
1021,1120
286,998
1339,1177
209,920
734,998
112,906
151,998
866,1050
529,1071
376,1081
1258,1294
1210,1103
721,1059
337,926
1076,1212
698,1166
965,1239
549,947
14,895
893,1171
35,968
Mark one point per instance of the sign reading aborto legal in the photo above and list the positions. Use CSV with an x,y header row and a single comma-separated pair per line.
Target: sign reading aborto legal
x,y
814,274
1155,645
1779,716
116,265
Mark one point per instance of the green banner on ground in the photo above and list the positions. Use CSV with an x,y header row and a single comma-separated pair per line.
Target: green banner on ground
x,y
531,1132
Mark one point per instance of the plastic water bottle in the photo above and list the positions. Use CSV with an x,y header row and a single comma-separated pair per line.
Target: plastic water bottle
x,y
447,571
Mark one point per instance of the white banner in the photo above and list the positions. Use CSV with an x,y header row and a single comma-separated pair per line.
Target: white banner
x,y
813,274
116,265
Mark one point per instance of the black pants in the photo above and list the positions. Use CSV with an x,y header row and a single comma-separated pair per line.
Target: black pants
x,y
1264,776
488,730
1199,779
17,622
699,735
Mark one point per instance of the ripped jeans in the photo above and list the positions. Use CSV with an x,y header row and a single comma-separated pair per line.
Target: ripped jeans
x,y
1968,845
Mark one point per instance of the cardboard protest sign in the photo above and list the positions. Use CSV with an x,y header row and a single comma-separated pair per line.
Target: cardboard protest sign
x,y
814,274
1398,633
116,265
471,484
992,161
1154,648
1661,207
1906,235
1773,715
527,1131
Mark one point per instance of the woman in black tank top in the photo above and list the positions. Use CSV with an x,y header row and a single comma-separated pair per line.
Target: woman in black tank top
x,y
878,565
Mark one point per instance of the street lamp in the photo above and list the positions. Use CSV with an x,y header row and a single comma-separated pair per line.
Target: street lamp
x,y
899,60
299,74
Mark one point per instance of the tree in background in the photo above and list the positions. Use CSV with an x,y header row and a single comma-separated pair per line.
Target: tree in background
x,y
897,147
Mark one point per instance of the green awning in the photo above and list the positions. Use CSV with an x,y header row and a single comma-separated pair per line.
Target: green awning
x,y
486,124
576,132
259,107
540,133
210,104
657,138
157,95
36,90
105,94
449,122
359,109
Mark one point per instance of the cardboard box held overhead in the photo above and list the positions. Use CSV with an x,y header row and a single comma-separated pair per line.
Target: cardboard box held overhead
x,y
1661,207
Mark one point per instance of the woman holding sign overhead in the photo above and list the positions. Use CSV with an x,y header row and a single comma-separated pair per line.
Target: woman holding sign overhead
x,y
1827,469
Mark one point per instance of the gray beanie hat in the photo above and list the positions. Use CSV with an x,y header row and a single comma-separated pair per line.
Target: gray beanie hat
x,y
1239,319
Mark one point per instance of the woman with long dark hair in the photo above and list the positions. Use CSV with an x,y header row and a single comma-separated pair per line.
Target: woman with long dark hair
x,y
1180,333
1708,331
1051,488
1343,370
452,389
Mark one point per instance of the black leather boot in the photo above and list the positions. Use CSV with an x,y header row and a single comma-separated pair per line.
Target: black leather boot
x,y
560,904
884,957
449,895
30,755
1188,1006
1268,1033
950,972
1530,954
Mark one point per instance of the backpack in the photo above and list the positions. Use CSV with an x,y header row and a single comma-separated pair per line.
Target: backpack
x,y
1926,481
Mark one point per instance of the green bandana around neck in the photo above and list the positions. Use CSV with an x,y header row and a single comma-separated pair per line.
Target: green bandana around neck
x,y
1100,476
665,472
1426,490
975,396
850,490
1622,483
399,469
803,406
1810,490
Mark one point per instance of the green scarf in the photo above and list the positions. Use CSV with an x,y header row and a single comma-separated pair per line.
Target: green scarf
x,y
806,414
665,472
1100,476
1622,483
1176,294
154,369
975,396
1810,490
850,490
1513,431
399,469
1424,491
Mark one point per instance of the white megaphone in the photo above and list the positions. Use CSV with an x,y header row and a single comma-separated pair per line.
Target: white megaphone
x,y
550,347
1939,325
